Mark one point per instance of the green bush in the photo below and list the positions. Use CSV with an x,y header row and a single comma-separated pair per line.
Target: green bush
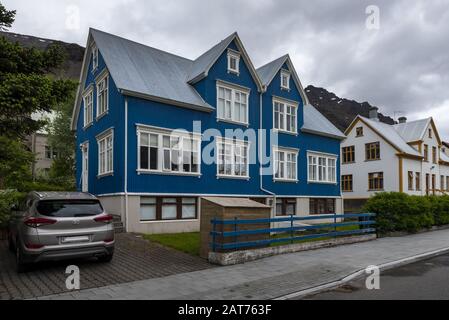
x,y
8,198
401,212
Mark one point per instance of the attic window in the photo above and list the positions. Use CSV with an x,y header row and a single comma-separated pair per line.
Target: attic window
x,y
94,57
430,133
359,132
233,62
285,80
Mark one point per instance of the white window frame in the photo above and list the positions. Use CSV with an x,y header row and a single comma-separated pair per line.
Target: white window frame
x,y
232,145
293,153
282,125
107,152
285,73
321,163
233,101
88,107
181,136
94,57
234,55
100,80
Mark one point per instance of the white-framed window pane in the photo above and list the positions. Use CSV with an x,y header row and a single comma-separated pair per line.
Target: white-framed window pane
x,y
147,208
169,208
188,208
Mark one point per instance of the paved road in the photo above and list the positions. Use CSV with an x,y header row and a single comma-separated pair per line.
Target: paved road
x,y
134,259
428,279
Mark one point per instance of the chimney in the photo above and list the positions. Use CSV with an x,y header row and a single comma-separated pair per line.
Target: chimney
x,y
373,113
402,120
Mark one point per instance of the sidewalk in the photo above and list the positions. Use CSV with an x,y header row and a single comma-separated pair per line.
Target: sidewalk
x,y
272,277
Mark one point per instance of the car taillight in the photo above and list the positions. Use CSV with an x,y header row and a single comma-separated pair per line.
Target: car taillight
x,y
107,218
109,240
33,246
37,222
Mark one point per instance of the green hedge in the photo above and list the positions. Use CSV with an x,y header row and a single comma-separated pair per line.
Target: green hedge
x,y
401,212
8,198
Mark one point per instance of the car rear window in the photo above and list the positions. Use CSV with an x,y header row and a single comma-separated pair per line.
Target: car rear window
x,y
69,208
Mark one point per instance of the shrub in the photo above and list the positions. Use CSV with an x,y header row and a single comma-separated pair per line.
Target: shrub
x,y
401,212
8,198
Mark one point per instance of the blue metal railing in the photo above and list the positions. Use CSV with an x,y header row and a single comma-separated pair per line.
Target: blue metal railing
x,y
365,222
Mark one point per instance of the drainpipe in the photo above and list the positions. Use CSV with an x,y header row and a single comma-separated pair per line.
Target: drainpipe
x,y
260,153
126,165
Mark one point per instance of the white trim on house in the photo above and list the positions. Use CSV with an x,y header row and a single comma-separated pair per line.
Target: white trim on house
x,y
213,195
102,86
286,104
84,166
285,74
94,57
235,145
88,106
230,97
107,150
318,169
232,54
173,146
287,152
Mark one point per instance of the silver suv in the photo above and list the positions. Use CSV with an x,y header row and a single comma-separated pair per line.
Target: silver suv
x,y
60,225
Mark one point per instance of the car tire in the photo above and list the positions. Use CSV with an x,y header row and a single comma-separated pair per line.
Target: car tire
x,y
21,266
106,258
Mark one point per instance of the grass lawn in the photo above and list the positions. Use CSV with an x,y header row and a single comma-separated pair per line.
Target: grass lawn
x,y
188,242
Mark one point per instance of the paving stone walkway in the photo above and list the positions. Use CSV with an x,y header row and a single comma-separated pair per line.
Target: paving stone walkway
x,y
274,276
134,259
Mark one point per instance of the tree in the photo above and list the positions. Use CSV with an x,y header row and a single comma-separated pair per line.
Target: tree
x,y
26,83
61,138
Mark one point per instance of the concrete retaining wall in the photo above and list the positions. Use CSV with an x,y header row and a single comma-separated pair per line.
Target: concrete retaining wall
x,y
231,258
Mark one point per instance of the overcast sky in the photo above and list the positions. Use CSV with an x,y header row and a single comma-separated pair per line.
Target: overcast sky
x,y
400,62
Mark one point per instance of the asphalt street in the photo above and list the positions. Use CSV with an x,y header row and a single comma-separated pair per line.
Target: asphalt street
x,y
424,280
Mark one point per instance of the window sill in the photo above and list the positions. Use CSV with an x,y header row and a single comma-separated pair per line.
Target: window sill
x,y
87,126
371,160
107,174
235,72
102,115
168,220
322,182
285,89
286,132
352,162
219,176
245,124
168,173
376,190
285,180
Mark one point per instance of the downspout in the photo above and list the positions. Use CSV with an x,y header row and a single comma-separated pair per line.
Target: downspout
x,y
126,166
260,153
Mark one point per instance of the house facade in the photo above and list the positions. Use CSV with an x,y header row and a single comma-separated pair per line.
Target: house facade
x,y
406,157
155,132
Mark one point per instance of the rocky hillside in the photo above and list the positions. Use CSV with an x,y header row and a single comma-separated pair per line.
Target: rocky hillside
x,y
339,111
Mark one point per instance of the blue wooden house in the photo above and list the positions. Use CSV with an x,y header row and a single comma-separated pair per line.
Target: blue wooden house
x,y
145,120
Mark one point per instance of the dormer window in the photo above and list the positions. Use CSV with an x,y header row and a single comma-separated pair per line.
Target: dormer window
x,y
233,62
285,80
94,57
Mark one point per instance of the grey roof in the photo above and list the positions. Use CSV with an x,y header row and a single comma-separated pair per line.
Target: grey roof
x,y
202,64
267,72
413,130
145,70
316,123
236,202
391,135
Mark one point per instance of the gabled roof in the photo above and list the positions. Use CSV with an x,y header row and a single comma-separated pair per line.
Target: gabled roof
x,y
444,157
268,72
416,130
388,133
316,123
201,66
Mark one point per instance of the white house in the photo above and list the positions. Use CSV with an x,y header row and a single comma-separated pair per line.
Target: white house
x,y
406,157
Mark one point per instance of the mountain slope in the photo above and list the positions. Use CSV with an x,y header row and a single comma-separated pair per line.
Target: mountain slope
x,y
338,110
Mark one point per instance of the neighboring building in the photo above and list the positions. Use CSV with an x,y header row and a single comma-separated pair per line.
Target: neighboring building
x,y
406,157
133,96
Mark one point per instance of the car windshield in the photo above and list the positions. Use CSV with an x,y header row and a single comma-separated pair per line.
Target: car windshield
x,y
69,208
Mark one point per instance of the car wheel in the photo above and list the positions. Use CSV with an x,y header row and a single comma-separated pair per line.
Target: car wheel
x,y
105,258
20,265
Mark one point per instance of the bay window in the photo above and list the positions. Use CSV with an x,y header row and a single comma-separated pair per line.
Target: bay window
x,y
322,168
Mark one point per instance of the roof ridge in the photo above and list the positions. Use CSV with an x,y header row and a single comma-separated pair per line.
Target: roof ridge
x,y
216,45
141,44
285,56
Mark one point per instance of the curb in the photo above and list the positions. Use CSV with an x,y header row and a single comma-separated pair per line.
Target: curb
x,y
383,267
